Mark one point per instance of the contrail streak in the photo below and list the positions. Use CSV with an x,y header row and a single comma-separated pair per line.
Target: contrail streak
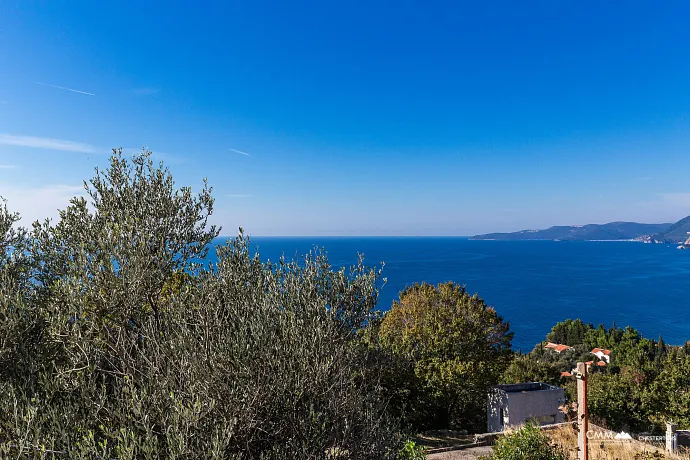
x,y
62,87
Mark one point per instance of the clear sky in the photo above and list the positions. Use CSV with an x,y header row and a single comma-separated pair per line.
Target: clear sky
x,y
358,117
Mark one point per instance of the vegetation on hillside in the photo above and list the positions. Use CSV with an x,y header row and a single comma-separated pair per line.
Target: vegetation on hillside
x,y
646,383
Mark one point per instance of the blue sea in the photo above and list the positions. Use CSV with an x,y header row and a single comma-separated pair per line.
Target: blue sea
x,y
532,284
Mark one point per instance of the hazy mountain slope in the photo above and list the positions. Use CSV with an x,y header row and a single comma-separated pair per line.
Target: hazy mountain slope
x,y
676,233
610,231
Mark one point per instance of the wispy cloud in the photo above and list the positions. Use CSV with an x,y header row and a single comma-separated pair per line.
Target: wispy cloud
x,y
38,203
63,88
46,143
7,166
237,195
240,152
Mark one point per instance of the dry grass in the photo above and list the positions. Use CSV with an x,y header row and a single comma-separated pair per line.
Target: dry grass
x,y
566,437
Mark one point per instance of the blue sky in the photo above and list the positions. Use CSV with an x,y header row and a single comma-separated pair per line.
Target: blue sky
x,y
358,118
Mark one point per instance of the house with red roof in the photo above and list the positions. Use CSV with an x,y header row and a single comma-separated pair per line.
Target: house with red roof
x,y
602,354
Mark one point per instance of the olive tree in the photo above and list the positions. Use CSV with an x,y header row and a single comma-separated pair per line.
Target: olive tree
x,y
117,249
126,347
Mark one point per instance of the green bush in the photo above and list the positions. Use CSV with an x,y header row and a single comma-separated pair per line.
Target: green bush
x,y
411,451
526,443
115,343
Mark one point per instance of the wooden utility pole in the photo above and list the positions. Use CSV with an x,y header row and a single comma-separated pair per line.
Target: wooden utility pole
x,y
582,425
671,440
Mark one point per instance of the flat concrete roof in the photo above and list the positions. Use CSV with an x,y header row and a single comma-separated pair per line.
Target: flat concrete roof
x,y
524,387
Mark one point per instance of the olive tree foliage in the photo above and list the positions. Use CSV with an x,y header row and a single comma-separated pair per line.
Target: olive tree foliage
x,y
124,347
14,267
17,325
135,231
297,381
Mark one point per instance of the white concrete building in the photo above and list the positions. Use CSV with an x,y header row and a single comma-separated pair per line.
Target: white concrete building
x,y
602,354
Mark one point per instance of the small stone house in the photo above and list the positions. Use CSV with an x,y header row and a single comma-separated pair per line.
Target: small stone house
x,y
512,405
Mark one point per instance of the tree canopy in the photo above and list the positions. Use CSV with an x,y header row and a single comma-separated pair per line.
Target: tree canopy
x,y
457,345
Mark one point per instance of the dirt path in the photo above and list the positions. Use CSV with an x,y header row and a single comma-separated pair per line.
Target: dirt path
x,y
465,454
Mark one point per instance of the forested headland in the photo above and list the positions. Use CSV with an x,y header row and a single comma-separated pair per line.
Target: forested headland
x,y
116,342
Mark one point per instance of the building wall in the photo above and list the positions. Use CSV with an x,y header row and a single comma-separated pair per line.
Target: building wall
x,y
511,408
498,400
536,404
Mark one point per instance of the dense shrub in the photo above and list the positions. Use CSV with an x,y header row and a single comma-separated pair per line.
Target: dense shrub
x,y
115,343
526,443
525,369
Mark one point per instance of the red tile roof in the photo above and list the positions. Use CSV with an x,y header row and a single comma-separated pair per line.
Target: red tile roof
x,y
566,374
557,347
601,363
602,350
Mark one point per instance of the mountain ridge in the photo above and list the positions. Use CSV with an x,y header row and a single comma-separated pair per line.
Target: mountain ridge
x,y
611,231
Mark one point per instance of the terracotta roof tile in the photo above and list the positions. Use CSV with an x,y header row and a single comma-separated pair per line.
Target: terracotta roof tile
x,y
557,347
601,350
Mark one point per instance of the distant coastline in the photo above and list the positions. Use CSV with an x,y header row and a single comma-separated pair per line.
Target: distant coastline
x,y
667,233
558,241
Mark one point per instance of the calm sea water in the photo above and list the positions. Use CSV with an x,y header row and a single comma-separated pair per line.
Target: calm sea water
x,y
532,284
